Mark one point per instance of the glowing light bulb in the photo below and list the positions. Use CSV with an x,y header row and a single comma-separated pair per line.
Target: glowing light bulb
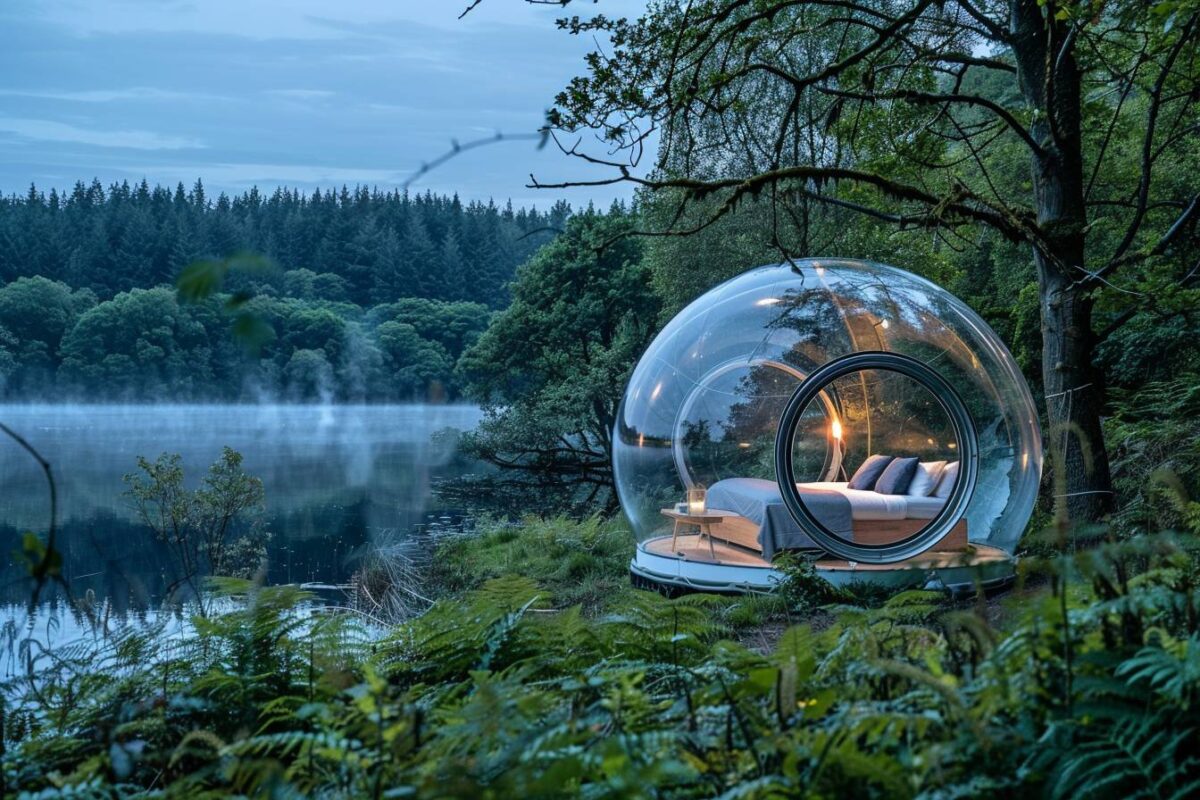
x,y
836,430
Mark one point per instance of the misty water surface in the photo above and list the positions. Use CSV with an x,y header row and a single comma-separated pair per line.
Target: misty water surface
x,y
337,478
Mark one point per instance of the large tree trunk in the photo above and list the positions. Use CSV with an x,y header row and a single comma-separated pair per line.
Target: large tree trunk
x,y
1074,397
1074,387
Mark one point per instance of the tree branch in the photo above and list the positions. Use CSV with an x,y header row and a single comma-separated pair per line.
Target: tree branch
x,y
1190,214
997,31
927,98
1143,193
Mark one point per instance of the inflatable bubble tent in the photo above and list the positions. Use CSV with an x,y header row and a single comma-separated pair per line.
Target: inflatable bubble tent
x,y
846,409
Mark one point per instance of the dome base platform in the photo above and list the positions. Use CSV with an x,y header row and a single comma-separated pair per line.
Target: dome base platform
x,y
696,563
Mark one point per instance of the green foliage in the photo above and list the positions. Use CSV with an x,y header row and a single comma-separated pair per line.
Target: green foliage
x,y
505,690
1155,440
1140,758
213,530
329,273
802,588
35,315
684,267
576,563
550,369
363,246
145,343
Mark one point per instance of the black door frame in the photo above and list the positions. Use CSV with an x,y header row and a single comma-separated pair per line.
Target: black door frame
x,y
964,430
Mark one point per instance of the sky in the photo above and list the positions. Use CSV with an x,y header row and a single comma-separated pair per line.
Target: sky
x,y
303,93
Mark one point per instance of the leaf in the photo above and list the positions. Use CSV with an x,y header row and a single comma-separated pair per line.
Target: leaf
x,y
252,330
202,279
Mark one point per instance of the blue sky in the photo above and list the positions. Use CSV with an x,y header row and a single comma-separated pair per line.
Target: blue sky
x,y
286,92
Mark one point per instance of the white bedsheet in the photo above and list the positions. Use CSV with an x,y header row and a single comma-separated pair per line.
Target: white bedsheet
x,y
867,505
924,507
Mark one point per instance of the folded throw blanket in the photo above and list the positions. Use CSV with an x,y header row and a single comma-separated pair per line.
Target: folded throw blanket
x,y
760,501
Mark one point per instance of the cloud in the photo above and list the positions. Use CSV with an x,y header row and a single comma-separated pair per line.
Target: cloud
x,y
50,131
296,19
301,94
241,175
296,92
102,95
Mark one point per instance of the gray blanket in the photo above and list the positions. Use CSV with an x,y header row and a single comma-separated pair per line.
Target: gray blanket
x,y
760,501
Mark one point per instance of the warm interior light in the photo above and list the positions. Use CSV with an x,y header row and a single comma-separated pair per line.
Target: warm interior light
x,y
696,497
641,439
744,445
836,430
952,445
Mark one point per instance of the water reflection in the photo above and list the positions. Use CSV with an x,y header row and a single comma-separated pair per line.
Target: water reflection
x,y
336,478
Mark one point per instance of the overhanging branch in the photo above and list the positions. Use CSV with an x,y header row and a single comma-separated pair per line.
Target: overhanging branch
x,y
931,98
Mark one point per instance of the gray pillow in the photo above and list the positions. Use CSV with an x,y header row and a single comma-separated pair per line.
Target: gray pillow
x,y
898,475
866,475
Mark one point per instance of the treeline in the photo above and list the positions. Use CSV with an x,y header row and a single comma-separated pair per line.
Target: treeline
x,y
145,344
380,246
370,295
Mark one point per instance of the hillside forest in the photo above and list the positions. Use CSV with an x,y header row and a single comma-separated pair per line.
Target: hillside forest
x,y
359,295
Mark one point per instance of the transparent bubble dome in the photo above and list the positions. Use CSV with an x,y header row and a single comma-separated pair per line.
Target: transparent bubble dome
x,y
704,405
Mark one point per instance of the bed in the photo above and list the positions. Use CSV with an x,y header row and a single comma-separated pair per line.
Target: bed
x,y
758,520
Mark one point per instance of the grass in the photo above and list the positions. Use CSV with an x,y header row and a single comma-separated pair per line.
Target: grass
x,y
586,563
578,563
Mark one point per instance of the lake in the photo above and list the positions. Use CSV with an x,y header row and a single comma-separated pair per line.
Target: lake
x,y
337,480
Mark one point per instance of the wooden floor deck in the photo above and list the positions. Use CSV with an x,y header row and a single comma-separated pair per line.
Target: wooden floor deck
x,y
693,547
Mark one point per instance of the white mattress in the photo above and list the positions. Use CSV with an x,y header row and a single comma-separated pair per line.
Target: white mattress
x,y
868,505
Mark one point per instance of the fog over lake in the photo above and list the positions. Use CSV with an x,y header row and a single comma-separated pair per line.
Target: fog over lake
x,y
336,477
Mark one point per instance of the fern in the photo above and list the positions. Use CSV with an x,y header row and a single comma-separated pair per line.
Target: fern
x,y
1137,758
1173,672
498,692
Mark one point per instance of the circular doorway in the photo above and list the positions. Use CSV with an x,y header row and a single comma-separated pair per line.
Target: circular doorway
x,y
890,401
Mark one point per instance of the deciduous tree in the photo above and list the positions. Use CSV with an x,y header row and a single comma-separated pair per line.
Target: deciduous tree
x,y
551,368
875,106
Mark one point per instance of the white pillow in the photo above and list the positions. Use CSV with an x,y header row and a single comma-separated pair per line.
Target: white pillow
x,y
949,477
925,478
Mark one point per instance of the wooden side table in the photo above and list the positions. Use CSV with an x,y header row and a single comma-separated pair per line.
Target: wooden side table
x,y
701,521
